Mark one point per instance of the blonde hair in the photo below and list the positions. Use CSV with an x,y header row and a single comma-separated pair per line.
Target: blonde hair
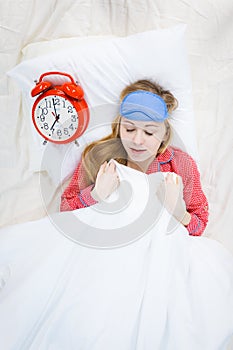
x,y
110,146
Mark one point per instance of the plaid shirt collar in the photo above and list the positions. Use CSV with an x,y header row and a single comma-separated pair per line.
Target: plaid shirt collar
x,y
163,158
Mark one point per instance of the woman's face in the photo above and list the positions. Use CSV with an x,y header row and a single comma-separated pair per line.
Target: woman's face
x,y
140,139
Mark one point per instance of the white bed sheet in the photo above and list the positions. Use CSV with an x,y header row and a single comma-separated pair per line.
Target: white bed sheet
x,y
166,290
210,49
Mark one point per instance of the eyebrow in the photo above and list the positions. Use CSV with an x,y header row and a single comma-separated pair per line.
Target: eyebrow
x,y
155,126
145,126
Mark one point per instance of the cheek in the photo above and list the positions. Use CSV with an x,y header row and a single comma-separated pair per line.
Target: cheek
x,y
153,143
160,135
124,135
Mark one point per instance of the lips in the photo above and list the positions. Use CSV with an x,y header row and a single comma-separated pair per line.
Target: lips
x,y
137,151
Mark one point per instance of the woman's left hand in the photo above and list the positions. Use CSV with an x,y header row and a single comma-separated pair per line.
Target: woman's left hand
x,y
170,194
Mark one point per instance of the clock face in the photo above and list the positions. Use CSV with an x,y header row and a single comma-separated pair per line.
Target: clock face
x,y
56,118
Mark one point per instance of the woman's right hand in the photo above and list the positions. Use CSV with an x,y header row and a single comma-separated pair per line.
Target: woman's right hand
x,y
107,181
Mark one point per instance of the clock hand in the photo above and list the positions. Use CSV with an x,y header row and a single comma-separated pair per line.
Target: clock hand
x,y
56,120
54,108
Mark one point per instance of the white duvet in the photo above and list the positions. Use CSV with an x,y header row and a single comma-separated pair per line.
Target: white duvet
x,y
154,289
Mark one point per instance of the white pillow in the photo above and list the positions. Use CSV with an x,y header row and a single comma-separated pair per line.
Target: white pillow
x,y
104,66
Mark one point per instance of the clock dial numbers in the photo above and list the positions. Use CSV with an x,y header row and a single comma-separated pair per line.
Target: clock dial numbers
x,y
48,103
56,118
70,109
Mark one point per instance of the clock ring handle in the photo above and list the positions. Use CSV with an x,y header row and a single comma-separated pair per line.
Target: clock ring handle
x,y
56,73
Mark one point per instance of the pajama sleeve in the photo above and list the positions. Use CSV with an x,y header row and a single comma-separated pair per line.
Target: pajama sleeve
x,y
195,199
77,194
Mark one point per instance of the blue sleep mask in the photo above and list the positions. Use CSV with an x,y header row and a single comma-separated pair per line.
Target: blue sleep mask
x,y
144,105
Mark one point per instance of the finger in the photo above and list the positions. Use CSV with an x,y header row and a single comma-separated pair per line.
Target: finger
x,y
175,179
102,168
117,181
111,167
169,178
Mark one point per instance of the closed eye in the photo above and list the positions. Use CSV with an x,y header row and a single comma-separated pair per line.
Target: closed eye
x,y
146,132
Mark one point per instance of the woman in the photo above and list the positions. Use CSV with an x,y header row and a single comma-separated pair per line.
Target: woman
x,y
162,291
140,139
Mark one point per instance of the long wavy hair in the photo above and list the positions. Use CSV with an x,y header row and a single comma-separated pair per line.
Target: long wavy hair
x,y
110,146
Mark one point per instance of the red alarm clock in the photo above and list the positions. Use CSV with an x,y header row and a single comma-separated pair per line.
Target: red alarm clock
x,y
60,113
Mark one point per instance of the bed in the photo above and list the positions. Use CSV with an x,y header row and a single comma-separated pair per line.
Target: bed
x,y
27,27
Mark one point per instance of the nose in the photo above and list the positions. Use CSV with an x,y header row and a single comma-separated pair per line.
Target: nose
x,y
138,137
